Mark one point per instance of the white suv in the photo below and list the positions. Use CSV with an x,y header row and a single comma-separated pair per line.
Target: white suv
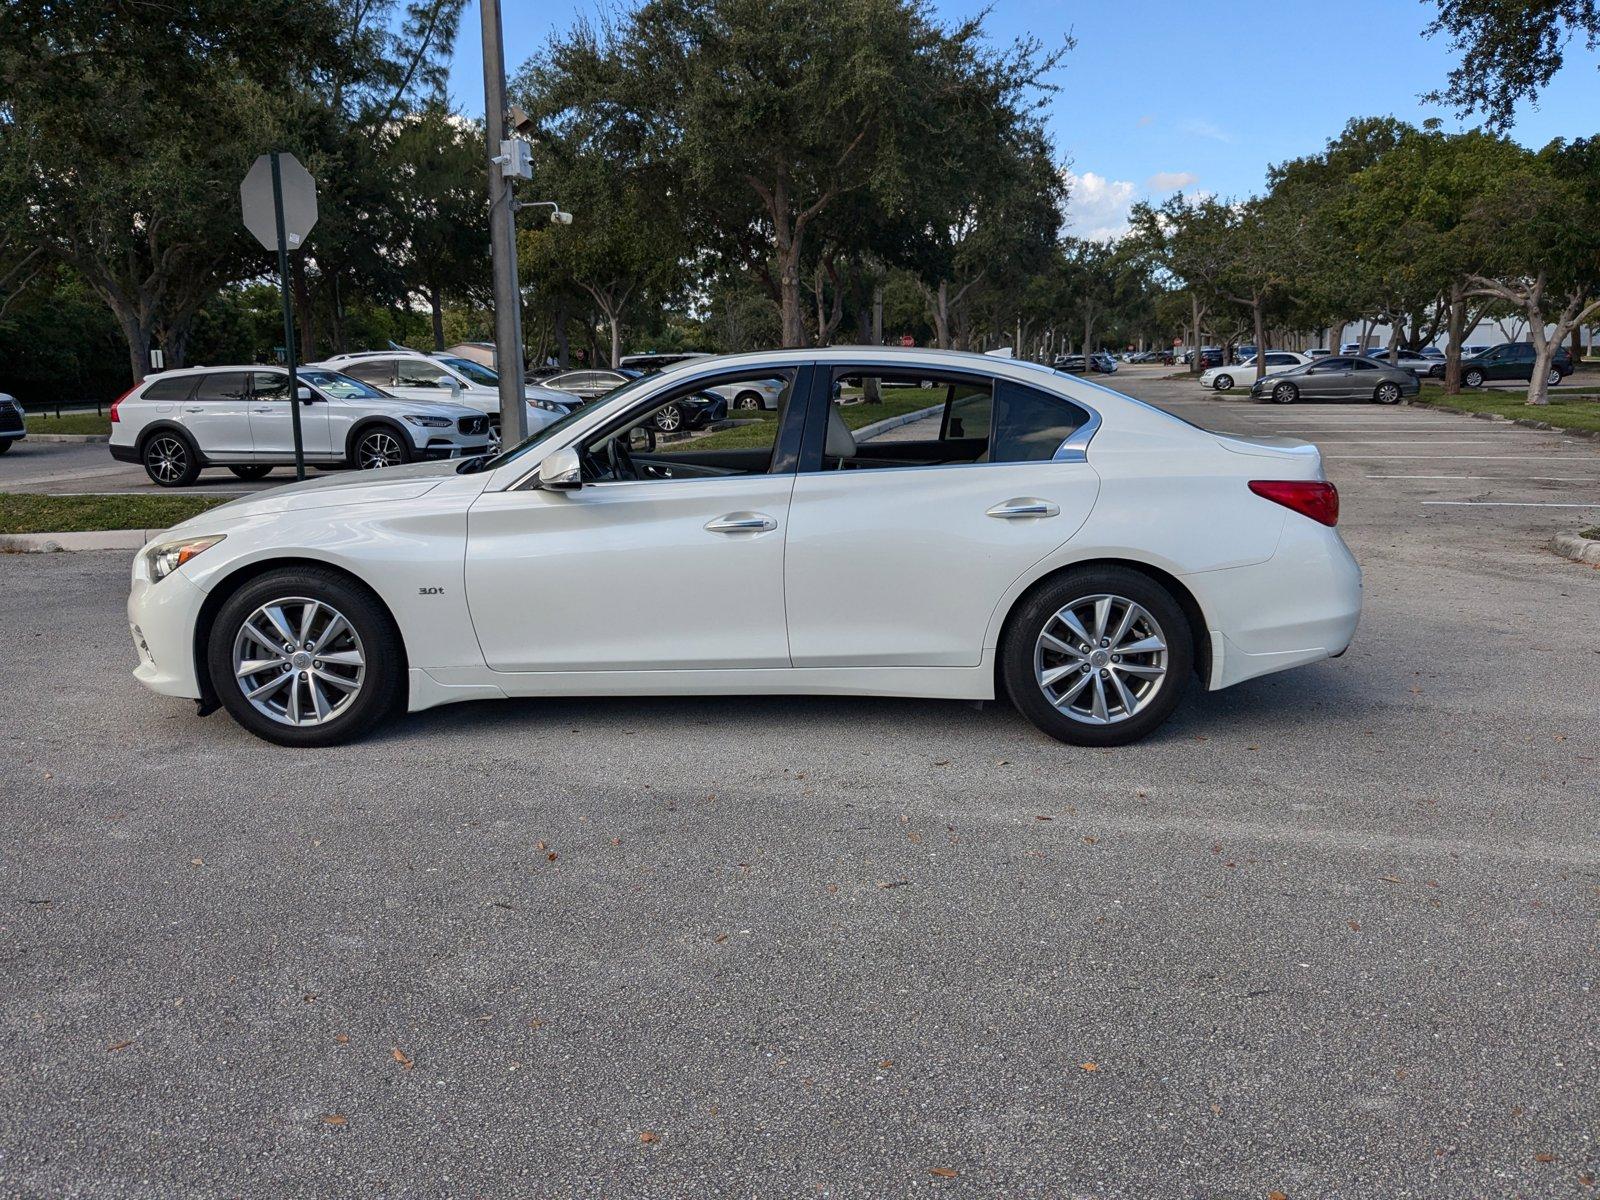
x,y
179,421
417,376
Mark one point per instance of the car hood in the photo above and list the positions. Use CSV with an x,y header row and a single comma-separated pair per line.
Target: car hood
x,y
346,487
422,408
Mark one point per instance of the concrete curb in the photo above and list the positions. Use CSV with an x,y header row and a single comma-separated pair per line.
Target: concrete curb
x,y
81,439
1579,549
867,432
1524,422
98,539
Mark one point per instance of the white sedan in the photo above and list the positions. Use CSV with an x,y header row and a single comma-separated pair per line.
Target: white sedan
x,y
1244,373
1033,535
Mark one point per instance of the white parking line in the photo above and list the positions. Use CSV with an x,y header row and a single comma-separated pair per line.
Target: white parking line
x,y
1392,442
1506,504
1441,457
1503,478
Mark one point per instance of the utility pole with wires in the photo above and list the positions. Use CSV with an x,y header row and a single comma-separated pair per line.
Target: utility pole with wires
x,y
508,159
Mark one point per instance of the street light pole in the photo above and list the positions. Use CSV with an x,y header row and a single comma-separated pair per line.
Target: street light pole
x,y
502,235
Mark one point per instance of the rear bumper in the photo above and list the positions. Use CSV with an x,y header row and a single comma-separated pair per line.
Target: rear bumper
x,y
124,453
1300,606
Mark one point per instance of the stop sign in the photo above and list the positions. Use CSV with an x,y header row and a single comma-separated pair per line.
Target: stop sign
x,y
299,201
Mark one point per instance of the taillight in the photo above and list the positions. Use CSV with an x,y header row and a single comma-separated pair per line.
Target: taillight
x,y
119,400
1316,499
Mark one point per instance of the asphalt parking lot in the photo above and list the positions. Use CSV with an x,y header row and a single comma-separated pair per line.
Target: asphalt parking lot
x,y
1335,932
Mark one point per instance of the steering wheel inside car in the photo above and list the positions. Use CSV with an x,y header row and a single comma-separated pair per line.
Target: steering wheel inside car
x,y
621,461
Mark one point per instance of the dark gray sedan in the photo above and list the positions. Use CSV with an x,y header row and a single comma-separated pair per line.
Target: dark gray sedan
x,y
1342,377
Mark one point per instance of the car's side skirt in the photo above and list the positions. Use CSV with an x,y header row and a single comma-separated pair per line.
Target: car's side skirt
x,y
438,686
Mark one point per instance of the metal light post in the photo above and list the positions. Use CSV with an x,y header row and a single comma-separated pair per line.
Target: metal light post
x,y
502,234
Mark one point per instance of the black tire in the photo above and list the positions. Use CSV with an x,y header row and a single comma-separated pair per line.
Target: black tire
x,y
377,446
1223,382
1473,378
669,419
1387,392
6,444
1284,393
748,401
251,473
1436,372
170,458
382,689
1039,610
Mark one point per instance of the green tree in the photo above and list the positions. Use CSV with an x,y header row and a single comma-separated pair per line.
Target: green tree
x,y
1509,49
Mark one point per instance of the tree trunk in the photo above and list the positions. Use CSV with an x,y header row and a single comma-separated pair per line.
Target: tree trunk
x,y
136,331
1088,334
301,290
877,314
1261,338
436,304
938,303
1194,357
1452,353
1544,351
616,339
563,347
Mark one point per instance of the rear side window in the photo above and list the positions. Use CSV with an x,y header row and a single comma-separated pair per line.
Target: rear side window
x,y
377,371
226,386
169,387
1029,426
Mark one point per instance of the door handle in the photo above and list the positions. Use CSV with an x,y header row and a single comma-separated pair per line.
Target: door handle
x,y
195,408
1023,506
265,410
742,522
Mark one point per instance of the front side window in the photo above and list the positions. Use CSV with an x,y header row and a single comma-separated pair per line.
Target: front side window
x,y
687,435
270,385
476,372
341,387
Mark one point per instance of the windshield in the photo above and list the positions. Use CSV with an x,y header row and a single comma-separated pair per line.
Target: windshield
x,y
342,387
549,431
476,372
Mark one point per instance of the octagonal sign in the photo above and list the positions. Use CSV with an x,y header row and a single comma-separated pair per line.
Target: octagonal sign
x,y
299,201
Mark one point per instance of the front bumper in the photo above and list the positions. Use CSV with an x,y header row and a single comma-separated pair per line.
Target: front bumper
x,y
162,618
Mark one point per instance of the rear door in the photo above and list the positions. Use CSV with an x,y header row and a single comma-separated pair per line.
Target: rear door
x,y
902,541
272,423
217,415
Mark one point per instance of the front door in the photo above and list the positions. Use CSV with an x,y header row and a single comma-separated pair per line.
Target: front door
x,y
1329,379
272,424
902,541
669,557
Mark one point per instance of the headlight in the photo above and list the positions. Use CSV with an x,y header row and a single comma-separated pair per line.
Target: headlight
x,y
167,557
430,422
550,406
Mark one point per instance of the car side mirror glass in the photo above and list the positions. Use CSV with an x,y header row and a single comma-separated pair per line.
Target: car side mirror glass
x,y
455,387
561,471
641,438
304,394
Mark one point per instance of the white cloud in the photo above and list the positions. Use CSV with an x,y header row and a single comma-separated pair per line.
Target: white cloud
x,y
1097,207
1170,181
1201,128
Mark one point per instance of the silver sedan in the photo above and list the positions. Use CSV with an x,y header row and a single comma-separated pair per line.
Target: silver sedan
x,y
1341,377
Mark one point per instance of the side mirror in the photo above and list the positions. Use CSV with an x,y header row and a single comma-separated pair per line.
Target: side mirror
x,y
303,394
455,387
561,471
641,438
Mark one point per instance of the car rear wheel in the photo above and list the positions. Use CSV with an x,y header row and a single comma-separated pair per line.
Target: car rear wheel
x,y
304,657
381,447
1285,393
748,401
251,473
1387,393
1473,378
1099,656
171,460
1223,382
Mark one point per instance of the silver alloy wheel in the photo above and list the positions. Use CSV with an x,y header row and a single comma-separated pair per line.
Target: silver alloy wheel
x,y
298,661
749,402
1473,379
1388,393
669,418
1553,378
167,458
1223,383
378,449
1284,393
1100,659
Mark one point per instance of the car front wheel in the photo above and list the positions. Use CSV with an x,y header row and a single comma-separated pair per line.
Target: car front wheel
x,y
669,419
1553,378
1099,656
1285,393
1223,383
305,657
381,447
1473,378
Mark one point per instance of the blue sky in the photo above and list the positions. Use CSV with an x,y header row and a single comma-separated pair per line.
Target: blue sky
x,y
1161,94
